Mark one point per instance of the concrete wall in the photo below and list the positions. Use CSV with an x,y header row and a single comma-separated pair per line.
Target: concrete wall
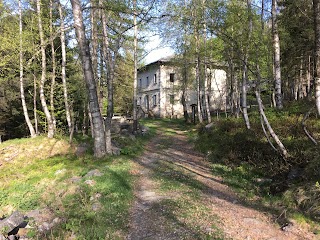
x,y
168,94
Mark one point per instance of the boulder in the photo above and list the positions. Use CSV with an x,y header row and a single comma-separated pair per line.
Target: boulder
x,y
93,173
11,222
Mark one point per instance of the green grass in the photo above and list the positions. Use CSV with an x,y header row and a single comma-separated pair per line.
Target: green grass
x,y
244,156
185,208
39,177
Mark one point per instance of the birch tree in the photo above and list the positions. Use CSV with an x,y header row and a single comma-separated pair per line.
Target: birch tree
x,y
54,65
44,73
135,70
63,70
316,9
22,96
276,57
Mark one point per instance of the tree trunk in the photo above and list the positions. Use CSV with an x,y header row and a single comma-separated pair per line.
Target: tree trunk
x,y
206,95
23,100
245,70
63,69
184,88
316,9
198,89
54,66
97,121
275,137
276,62
244,92
110,63
43,74
135,71
35,104
94,51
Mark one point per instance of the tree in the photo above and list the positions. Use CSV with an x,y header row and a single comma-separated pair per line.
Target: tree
x,y
23,99
50,122
316,8
276,60
135,71
63,71
97,121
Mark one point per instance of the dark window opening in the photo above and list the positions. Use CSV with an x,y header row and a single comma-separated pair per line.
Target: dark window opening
x,y
171,77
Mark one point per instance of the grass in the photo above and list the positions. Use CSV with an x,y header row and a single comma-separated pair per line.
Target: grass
x,y
186,207
246,161
37,174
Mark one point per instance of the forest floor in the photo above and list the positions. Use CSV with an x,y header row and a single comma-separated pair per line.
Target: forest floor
x,y
177,197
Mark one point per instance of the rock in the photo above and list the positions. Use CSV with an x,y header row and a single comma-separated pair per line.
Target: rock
x,y
81,149
96,206
287,227
96,196
90,182
93,173
11,222
12,237
115,150
208,126
60,171
75,179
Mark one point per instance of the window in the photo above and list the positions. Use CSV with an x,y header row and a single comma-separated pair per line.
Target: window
x,y
155,78
171,77
171,99
140,83
154,100
147,82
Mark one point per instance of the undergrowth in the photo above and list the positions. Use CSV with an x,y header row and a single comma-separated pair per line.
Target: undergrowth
x,y
249,164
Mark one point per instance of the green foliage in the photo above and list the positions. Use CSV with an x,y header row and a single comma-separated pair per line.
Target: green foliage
x,y
39,177
242,156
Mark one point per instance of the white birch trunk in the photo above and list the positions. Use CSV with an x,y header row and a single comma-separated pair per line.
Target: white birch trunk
x,y
135,70
63,69
43,74
54,67
23,100
276,48
316,8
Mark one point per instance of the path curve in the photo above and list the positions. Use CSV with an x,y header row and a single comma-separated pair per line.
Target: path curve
x,y
236,220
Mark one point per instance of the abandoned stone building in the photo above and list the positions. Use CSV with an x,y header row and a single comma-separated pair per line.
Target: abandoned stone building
x,y
162,83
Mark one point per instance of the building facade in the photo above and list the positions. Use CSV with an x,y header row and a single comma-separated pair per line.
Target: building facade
x,y
161,85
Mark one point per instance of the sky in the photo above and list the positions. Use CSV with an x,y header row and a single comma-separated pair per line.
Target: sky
x,y
156,51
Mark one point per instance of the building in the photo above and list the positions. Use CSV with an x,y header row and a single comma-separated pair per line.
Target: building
x,y
161,86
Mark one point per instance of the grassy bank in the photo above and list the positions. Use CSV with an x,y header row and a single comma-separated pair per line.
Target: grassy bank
x,y
48,175
248,163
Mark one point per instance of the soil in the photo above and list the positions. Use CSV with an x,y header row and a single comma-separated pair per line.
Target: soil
x,y
234,218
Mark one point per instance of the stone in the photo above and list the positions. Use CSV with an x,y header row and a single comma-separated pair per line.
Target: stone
x,y
96,206
115,150
81,149
93,173
90,182
75,179
44,227
12,237
208,126
11,222
60,171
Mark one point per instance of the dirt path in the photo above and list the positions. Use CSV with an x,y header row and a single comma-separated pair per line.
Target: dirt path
x,y
224,217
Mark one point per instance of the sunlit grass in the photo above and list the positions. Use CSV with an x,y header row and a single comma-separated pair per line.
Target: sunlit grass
x,y
41,179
